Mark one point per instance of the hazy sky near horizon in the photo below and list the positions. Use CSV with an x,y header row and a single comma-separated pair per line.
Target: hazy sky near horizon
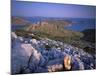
x,y
30,9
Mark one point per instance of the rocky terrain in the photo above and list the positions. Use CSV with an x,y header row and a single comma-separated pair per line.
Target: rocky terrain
x,y
30,55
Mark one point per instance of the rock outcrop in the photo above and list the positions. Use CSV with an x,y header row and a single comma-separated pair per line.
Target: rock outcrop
x,y
46,55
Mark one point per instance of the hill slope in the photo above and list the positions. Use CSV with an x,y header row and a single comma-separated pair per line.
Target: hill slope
x,y
53,29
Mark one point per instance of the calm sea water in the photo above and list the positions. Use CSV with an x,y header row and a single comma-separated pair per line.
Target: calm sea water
x,y
80,24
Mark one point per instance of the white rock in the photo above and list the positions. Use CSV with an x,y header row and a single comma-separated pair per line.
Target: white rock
x,y
37,59
21,39
13,35
33,41
20,55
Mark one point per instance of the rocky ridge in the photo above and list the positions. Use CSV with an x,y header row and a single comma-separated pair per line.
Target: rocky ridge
x,y
46,55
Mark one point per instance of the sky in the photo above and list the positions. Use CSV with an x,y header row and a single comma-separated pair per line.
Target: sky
x,y
31,9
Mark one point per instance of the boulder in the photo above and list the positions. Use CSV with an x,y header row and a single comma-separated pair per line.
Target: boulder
x,y
20,56
77,64
60,64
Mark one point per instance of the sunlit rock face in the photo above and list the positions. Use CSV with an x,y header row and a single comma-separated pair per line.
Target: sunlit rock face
x,y
46,55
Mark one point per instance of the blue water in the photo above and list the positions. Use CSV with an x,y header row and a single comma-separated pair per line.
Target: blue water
x,y
14,27
82,24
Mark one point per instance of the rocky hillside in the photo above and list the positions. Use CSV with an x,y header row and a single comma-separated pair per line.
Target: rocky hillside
x,y
53,29
30,55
